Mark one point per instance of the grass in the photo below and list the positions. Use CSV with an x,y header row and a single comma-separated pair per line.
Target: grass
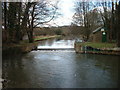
x,y
99,45
38,38
42,38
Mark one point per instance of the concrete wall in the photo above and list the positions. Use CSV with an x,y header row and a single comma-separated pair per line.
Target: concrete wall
x,y
77,47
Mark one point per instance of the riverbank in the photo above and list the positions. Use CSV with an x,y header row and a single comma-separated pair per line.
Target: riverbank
x,y
40,38
97,48
23,46
18,48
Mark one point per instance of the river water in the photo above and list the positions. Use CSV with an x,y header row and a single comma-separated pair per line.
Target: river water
x,y
60,69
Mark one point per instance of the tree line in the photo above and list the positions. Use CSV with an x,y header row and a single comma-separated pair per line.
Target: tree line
x,y
20,18
91,15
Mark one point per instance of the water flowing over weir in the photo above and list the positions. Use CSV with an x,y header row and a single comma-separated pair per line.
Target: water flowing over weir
x,y
57,45
60,68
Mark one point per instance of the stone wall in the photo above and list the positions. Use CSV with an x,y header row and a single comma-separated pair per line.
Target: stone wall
x,y
106,51
77,47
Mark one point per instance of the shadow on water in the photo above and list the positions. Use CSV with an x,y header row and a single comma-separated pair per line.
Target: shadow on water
x,y
53,69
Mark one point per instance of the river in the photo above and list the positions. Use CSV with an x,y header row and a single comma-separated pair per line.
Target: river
x,y
60,68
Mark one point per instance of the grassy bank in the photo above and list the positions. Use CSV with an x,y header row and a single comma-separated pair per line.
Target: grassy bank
x,y
39,38
98,45
97,48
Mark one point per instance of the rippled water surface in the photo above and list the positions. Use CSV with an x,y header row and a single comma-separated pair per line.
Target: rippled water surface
x,y
60,69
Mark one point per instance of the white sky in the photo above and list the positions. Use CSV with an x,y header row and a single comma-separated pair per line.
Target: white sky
x,y
66,8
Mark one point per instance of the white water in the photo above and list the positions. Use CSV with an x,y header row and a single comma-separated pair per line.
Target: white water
x,y
59,44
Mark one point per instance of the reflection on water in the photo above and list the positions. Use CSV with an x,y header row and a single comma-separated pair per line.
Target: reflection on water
x,y
39,69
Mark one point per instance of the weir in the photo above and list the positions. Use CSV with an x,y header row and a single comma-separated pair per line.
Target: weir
x,y
55,49
56,45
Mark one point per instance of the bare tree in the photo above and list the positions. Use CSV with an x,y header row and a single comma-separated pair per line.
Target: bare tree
x,y
39,13
86,17
118,22
21,17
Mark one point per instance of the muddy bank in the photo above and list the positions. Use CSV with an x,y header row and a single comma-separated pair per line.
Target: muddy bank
x,y
18,49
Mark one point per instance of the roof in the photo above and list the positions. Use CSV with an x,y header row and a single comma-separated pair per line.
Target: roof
x,y
98,29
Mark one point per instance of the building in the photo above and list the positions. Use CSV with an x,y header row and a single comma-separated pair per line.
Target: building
x,y
99,35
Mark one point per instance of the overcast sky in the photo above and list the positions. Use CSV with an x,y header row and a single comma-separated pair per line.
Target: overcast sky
x,y
66,8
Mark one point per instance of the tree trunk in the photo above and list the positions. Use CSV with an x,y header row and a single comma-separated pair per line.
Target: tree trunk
x,y
18,28
25,23
112,23
11,21
31,37
5,16
118,24
5,22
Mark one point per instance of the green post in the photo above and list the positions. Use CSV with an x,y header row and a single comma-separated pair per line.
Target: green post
x,y
104,37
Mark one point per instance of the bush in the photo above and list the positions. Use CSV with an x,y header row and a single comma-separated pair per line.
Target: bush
x,y
58,32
